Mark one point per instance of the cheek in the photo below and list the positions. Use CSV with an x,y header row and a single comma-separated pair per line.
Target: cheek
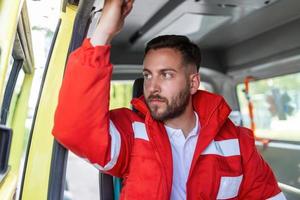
x,y
169,91
174,87
145,90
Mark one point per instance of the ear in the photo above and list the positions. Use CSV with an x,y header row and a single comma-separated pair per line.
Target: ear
x,y
194,83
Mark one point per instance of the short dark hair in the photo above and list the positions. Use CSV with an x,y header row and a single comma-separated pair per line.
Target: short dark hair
x,y
190,52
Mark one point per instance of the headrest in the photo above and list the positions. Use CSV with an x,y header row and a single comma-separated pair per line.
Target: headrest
x,y
138,87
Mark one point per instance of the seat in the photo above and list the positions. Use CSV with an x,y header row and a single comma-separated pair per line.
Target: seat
x,y
109,186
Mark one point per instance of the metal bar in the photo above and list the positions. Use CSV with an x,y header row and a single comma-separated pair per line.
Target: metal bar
x,y
281,145
289,188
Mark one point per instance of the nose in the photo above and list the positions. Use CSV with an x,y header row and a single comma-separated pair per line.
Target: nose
x,y
152,86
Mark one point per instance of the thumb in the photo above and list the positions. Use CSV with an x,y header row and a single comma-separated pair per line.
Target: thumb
x,y
127,7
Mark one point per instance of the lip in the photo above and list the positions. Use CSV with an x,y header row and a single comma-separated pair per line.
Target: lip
x,y
156,101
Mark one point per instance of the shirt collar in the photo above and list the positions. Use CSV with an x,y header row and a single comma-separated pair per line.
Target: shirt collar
x,y
173,131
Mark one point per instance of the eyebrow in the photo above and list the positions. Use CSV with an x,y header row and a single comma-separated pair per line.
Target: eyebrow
x,y
162,70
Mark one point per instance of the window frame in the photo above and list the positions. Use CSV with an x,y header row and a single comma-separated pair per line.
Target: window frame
x,y
9,89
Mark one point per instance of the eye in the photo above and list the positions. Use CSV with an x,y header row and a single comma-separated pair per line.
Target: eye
x,y
147,76
167,75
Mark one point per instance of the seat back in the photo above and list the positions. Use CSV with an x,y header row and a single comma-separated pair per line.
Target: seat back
x,y
138,87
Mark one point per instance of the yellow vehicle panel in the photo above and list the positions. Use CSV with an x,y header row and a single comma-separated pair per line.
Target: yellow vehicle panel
x,y
39,160
8,10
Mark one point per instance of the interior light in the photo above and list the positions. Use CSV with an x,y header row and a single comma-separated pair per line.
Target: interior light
x,y
194,25
186,24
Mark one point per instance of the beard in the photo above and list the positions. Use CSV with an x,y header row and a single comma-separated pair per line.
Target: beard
x,y
174,108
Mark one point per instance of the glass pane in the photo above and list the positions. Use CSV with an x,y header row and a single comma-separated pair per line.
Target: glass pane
x,y
276,104
120,94
206,86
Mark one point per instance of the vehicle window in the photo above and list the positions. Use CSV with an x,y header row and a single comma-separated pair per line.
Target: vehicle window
x,y
40,23
81,177
206,86
120,94
276,103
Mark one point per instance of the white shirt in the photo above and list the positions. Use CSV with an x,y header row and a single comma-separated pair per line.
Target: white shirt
x,y
182,151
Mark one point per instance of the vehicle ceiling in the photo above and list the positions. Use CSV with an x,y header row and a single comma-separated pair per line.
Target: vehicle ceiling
x,y
232,34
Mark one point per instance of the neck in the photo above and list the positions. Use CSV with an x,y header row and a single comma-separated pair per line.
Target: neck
x,y
186,121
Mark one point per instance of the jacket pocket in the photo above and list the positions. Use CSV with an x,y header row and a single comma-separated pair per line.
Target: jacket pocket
x,y
229,187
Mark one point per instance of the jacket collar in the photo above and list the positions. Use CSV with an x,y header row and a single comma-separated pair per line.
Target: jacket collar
x,y
212,110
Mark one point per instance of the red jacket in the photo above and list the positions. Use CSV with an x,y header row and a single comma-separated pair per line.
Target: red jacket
x,y
226,164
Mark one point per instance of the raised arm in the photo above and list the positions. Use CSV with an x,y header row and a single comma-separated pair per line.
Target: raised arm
x,y
82,120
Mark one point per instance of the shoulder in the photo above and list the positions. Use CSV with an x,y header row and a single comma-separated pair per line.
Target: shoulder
x,y
245,135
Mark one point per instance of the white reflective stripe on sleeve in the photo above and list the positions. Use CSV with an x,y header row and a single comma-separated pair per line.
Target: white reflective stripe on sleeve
x,y
225,148
279,196
229,187
139,129
115,148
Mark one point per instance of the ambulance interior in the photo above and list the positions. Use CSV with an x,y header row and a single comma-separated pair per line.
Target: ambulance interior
x,y
250,55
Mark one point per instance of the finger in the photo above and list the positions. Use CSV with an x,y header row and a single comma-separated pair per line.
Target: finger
x,y
127,8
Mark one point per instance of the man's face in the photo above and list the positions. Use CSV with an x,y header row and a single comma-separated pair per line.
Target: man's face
x,y
166,83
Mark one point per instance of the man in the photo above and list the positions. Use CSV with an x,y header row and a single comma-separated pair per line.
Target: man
x,y
180,144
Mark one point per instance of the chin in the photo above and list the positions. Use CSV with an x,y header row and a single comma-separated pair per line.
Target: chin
x,y
157,116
